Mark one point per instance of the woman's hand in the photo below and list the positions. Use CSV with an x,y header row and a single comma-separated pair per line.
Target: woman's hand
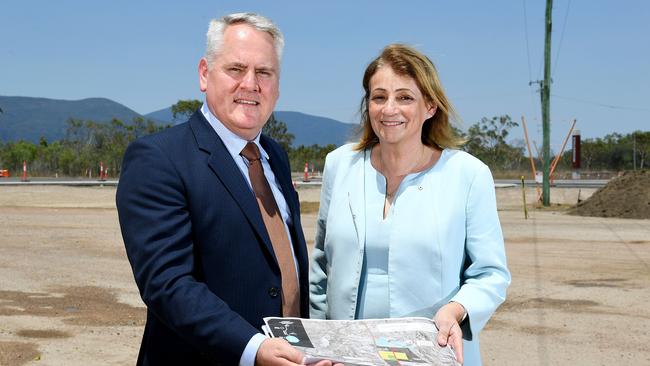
x,y
326,363
447,320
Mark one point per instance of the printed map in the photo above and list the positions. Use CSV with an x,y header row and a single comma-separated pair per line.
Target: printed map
x,y
398,341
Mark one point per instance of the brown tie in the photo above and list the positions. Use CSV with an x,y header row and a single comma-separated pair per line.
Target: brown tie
x,y
275,228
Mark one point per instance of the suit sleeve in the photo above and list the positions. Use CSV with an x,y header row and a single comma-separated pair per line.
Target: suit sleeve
x,y
486,275
157,233
318,266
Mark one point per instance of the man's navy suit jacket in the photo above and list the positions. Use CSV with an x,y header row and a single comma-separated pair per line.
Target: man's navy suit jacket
x,y
200,253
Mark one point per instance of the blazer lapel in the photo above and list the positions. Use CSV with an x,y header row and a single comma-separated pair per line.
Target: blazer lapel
x,y
357,197
221,163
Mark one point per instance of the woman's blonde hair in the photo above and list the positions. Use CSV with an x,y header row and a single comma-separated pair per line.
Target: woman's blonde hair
x,y
406,61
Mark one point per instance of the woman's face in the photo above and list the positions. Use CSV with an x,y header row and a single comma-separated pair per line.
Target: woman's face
x,y
397,108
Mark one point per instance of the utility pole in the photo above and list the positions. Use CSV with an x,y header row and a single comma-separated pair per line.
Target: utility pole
x,y
545,93
546,108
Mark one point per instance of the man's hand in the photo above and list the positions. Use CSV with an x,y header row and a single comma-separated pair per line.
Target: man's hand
x,y
277,351
449,332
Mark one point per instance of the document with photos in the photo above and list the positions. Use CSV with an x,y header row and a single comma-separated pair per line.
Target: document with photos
x,y
398,341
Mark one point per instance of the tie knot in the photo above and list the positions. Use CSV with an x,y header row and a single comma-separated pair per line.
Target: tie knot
x,y
251,152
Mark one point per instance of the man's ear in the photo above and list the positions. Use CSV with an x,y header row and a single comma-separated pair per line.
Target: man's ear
x,y
203,74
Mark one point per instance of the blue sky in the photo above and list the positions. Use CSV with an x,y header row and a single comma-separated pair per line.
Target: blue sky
x,y
144,54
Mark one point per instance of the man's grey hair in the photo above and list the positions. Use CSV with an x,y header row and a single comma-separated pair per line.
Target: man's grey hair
x,y
218,26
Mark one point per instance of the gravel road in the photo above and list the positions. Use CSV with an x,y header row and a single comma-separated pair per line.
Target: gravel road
x,y
579,296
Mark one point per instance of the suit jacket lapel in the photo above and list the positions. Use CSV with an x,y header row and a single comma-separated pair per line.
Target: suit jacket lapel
x,y
221,163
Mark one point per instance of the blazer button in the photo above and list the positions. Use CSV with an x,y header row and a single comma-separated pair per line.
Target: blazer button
x,y
274,291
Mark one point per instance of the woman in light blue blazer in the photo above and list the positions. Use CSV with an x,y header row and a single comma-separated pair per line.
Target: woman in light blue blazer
x,y
408,225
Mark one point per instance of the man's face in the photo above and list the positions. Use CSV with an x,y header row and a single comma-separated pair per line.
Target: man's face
x,y
242,85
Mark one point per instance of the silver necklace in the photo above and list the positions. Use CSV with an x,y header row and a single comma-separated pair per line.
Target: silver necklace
x,y
390,195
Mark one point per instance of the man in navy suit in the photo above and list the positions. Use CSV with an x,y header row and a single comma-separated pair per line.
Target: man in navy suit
x,y
200,252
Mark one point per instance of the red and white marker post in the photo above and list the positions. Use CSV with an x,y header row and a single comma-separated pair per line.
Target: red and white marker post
x,y
305,178
101,171
24,178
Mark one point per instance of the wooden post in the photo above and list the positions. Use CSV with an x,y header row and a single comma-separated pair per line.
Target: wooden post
x,y
559,156
523,196
530,156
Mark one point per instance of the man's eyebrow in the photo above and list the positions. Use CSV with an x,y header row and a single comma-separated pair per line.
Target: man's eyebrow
x,y
236,64
265,67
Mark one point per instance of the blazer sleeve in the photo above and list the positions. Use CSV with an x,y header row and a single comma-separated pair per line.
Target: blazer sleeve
x,y
486,275
157,232
319,265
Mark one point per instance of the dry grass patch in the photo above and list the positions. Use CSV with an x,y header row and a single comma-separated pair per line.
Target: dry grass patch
x,y
309,207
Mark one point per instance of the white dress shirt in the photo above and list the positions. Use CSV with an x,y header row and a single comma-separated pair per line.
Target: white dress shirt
x,y
235,144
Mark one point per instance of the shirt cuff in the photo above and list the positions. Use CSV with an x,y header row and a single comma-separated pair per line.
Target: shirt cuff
x,y
250,352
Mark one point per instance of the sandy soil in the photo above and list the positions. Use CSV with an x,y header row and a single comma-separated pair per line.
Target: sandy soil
x,y
626,196
579,294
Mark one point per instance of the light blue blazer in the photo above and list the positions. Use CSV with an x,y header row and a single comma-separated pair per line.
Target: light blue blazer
x,y
445,244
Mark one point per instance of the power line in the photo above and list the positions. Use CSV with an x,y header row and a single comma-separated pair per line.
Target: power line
x,y
612,106
532,92
557,57
526,33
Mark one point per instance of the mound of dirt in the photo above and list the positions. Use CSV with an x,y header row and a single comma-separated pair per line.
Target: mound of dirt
x,y
627,196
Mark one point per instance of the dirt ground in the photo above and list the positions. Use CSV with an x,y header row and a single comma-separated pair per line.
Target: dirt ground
x,y
579,295
626,196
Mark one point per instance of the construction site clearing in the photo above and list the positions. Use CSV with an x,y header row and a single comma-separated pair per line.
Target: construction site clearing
x,y
579,292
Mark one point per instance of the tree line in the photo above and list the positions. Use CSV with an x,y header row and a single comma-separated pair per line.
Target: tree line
x,y
87,144
487,140
314,155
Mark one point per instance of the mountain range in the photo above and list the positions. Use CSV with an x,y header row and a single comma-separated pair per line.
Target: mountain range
x,y
306,128
29,119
